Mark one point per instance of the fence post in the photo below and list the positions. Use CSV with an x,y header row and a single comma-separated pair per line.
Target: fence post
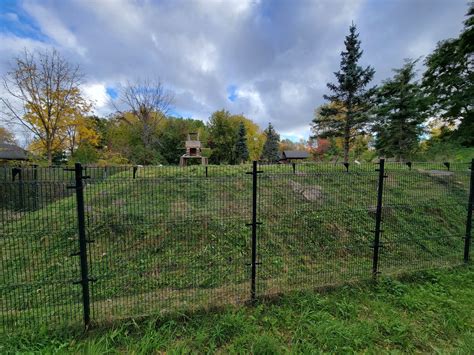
x,y
19,172
294,168
467,239
206,172
254,224
135,168
84,281
378,219
35,187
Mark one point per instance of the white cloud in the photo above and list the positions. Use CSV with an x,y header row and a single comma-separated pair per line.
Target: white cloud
x,y
293,94
204,55
97,94
52,26
279,54
11,46
253,100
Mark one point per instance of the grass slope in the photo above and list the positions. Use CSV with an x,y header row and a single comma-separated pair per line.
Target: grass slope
x,y
174,239
427,312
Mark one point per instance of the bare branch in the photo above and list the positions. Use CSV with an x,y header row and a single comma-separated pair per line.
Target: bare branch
x,y
148,101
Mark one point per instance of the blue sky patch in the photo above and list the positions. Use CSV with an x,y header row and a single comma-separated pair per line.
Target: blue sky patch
x,y
232,92
14,20
292,137
175,113
112,92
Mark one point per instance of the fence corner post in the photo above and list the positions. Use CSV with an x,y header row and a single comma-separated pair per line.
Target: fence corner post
x,y
378,219
81,225
467,238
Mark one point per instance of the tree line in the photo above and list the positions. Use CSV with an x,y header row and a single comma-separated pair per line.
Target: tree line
x,y
397,113
45,100
44,97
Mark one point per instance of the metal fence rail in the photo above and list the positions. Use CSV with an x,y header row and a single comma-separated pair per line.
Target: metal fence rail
x,y
93,244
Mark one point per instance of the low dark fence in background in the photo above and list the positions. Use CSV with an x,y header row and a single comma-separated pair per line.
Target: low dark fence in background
x,y
24,195
94,244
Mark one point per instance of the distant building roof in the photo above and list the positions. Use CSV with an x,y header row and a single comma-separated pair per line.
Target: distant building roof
x,y
294,154
12,152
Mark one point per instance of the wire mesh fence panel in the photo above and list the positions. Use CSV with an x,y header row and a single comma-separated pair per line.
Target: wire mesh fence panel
x,y
423,216
168,239
317,225
36,282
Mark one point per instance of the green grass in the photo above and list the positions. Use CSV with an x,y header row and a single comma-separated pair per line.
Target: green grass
x,y
426,312
446,151
173,240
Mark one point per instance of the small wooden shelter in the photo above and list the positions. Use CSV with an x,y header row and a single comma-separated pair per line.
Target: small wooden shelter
x,y
193,150
9,152
288,156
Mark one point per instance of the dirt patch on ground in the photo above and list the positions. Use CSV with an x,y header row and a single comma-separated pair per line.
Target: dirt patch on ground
x,y
386,210
436,173
180,206
310,193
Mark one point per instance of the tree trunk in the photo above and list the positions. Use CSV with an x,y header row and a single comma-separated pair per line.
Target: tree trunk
x,y
347,137
50,157
400,144
49,150
347,129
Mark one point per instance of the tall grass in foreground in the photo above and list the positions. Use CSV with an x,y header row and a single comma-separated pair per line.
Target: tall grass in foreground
x,y
427,312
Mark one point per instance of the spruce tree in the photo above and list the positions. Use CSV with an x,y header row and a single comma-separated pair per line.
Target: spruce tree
x,y
345,115
399,113
270,149
241,151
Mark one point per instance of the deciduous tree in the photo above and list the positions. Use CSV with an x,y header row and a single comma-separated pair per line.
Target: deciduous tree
x,y
6,136
81,130
147,102
255,136
44,97
222,137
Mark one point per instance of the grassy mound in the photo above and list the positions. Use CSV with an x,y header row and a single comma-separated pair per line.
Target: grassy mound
x,y
174,238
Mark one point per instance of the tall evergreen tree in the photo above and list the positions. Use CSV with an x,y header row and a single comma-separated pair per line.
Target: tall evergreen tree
x,y
399,113
270,149
449,82
241,151
346,113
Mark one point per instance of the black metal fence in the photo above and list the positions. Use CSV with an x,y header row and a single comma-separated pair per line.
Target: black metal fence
x,y
90,245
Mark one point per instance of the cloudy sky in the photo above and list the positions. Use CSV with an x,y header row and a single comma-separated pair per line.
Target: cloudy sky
x,y
267,59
